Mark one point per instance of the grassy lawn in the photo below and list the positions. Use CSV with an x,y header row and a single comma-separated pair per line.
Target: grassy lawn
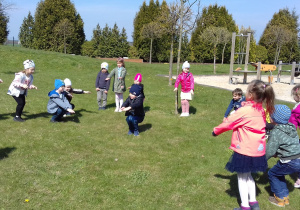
x,y
89,162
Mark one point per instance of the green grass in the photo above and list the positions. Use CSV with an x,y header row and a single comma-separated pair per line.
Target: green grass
x,y
89,162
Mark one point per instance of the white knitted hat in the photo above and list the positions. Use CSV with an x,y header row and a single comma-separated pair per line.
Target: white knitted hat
x,y
28,64
104,65
67,82
186,65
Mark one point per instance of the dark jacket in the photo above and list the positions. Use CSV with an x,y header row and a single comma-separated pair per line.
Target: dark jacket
x,y
235,104
101,82
137,107
55,101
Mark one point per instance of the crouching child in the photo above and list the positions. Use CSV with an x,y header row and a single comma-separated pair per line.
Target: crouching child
x,y
283,143
58,104
134,108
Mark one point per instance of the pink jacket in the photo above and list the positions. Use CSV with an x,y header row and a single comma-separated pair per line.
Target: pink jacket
x,y
248,124
186,80
295,116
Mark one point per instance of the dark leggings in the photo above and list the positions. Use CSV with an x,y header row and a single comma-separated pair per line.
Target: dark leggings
x,y
21,103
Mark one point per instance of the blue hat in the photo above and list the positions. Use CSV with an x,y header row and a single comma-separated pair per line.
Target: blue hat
x,y
135,90
58,83
281,114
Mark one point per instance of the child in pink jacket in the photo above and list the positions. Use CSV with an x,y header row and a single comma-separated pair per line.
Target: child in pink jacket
x,y
248,139
186,80
295,118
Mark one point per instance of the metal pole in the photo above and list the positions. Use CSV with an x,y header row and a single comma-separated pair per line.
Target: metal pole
x,y
232,57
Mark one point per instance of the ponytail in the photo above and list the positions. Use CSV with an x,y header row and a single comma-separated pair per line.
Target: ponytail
x,y
269,98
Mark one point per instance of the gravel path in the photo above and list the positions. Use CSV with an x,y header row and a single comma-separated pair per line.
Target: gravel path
x,y
282,90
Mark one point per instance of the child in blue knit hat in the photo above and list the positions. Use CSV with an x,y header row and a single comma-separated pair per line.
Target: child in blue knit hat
x,y
58,104
283,143
134,108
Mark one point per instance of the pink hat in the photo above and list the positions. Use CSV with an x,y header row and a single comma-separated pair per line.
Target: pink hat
x,y
138,77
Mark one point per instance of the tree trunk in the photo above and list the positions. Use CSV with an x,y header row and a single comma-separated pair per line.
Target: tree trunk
x,y
179,49
65,48
215,52
150,60
223,53
171,62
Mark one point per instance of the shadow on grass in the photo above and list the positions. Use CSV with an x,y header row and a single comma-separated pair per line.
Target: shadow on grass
x,y
113,105
6,116
34,116
147,108
192,110
5,151
145,127
76,116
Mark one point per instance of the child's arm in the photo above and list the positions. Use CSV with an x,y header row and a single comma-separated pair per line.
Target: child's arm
x,y
229,108
80,91
272,145
192,83
110,74
178,80
123,73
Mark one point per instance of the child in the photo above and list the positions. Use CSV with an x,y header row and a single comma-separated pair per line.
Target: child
x,y
295,118
186,80
248,139
102,86
236,101
138,81
68,91
119,87
134,109
58,104
19,86
283,142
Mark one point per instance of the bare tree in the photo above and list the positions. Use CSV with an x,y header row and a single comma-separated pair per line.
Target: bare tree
x,y
215,36
65,29
280,36
152,31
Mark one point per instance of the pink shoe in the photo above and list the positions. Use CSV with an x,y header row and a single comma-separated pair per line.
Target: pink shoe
x,y
297,184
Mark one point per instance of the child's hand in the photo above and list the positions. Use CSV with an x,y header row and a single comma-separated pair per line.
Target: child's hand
x,y
122,86
33,87
107,78
192,92
120,77
24,86
87,92
213,134
71,111
224,119
97,89
175,89
105,91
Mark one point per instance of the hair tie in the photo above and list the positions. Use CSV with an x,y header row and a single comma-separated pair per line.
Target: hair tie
x,y
264,86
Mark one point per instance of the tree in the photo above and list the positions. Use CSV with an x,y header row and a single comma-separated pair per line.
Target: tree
x,y
217,16
283,24
26,31
3,21
48,14
261,54
87,49
152,31
63,31
215,36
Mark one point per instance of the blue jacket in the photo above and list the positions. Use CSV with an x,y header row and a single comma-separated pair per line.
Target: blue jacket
x,y
101,82
55,101
235,104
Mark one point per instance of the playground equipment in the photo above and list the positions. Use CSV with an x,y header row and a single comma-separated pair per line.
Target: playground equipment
x,y
265,68
294,71
245,71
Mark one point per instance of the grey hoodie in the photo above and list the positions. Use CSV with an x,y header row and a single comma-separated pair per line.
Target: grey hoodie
x,y
283,142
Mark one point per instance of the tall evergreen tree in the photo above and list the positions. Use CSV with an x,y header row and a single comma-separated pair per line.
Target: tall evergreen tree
x,y
3,23
213,15
48,14
288,21
26,31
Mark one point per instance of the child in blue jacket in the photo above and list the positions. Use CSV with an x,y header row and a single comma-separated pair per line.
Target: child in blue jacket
x,y
58,104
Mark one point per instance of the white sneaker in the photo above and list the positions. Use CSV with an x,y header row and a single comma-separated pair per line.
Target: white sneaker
x,y
117,110
182,115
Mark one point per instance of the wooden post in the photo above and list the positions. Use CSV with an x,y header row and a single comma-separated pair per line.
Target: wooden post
x,y
279,69
293,73
247,51
258,71
232,57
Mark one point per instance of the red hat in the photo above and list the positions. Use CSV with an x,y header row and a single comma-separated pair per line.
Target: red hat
x,y
138,77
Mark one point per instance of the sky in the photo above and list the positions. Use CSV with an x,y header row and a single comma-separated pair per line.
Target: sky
x,y
253,13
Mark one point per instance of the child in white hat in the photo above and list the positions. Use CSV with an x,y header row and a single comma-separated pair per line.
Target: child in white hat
x,y
102,86
186,80
69,91
19,86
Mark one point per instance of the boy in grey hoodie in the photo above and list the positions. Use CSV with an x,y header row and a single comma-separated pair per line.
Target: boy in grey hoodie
x,y
283,143
58,104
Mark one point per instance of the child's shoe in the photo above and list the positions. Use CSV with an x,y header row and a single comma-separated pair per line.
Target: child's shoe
x,y
277,201
286,200
136,133
19,119
297,184
117,110
254,205
242,208
129,132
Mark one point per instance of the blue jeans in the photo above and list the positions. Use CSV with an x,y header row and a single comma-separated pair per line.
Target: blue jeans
x,y
277,176
58,114
133,122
